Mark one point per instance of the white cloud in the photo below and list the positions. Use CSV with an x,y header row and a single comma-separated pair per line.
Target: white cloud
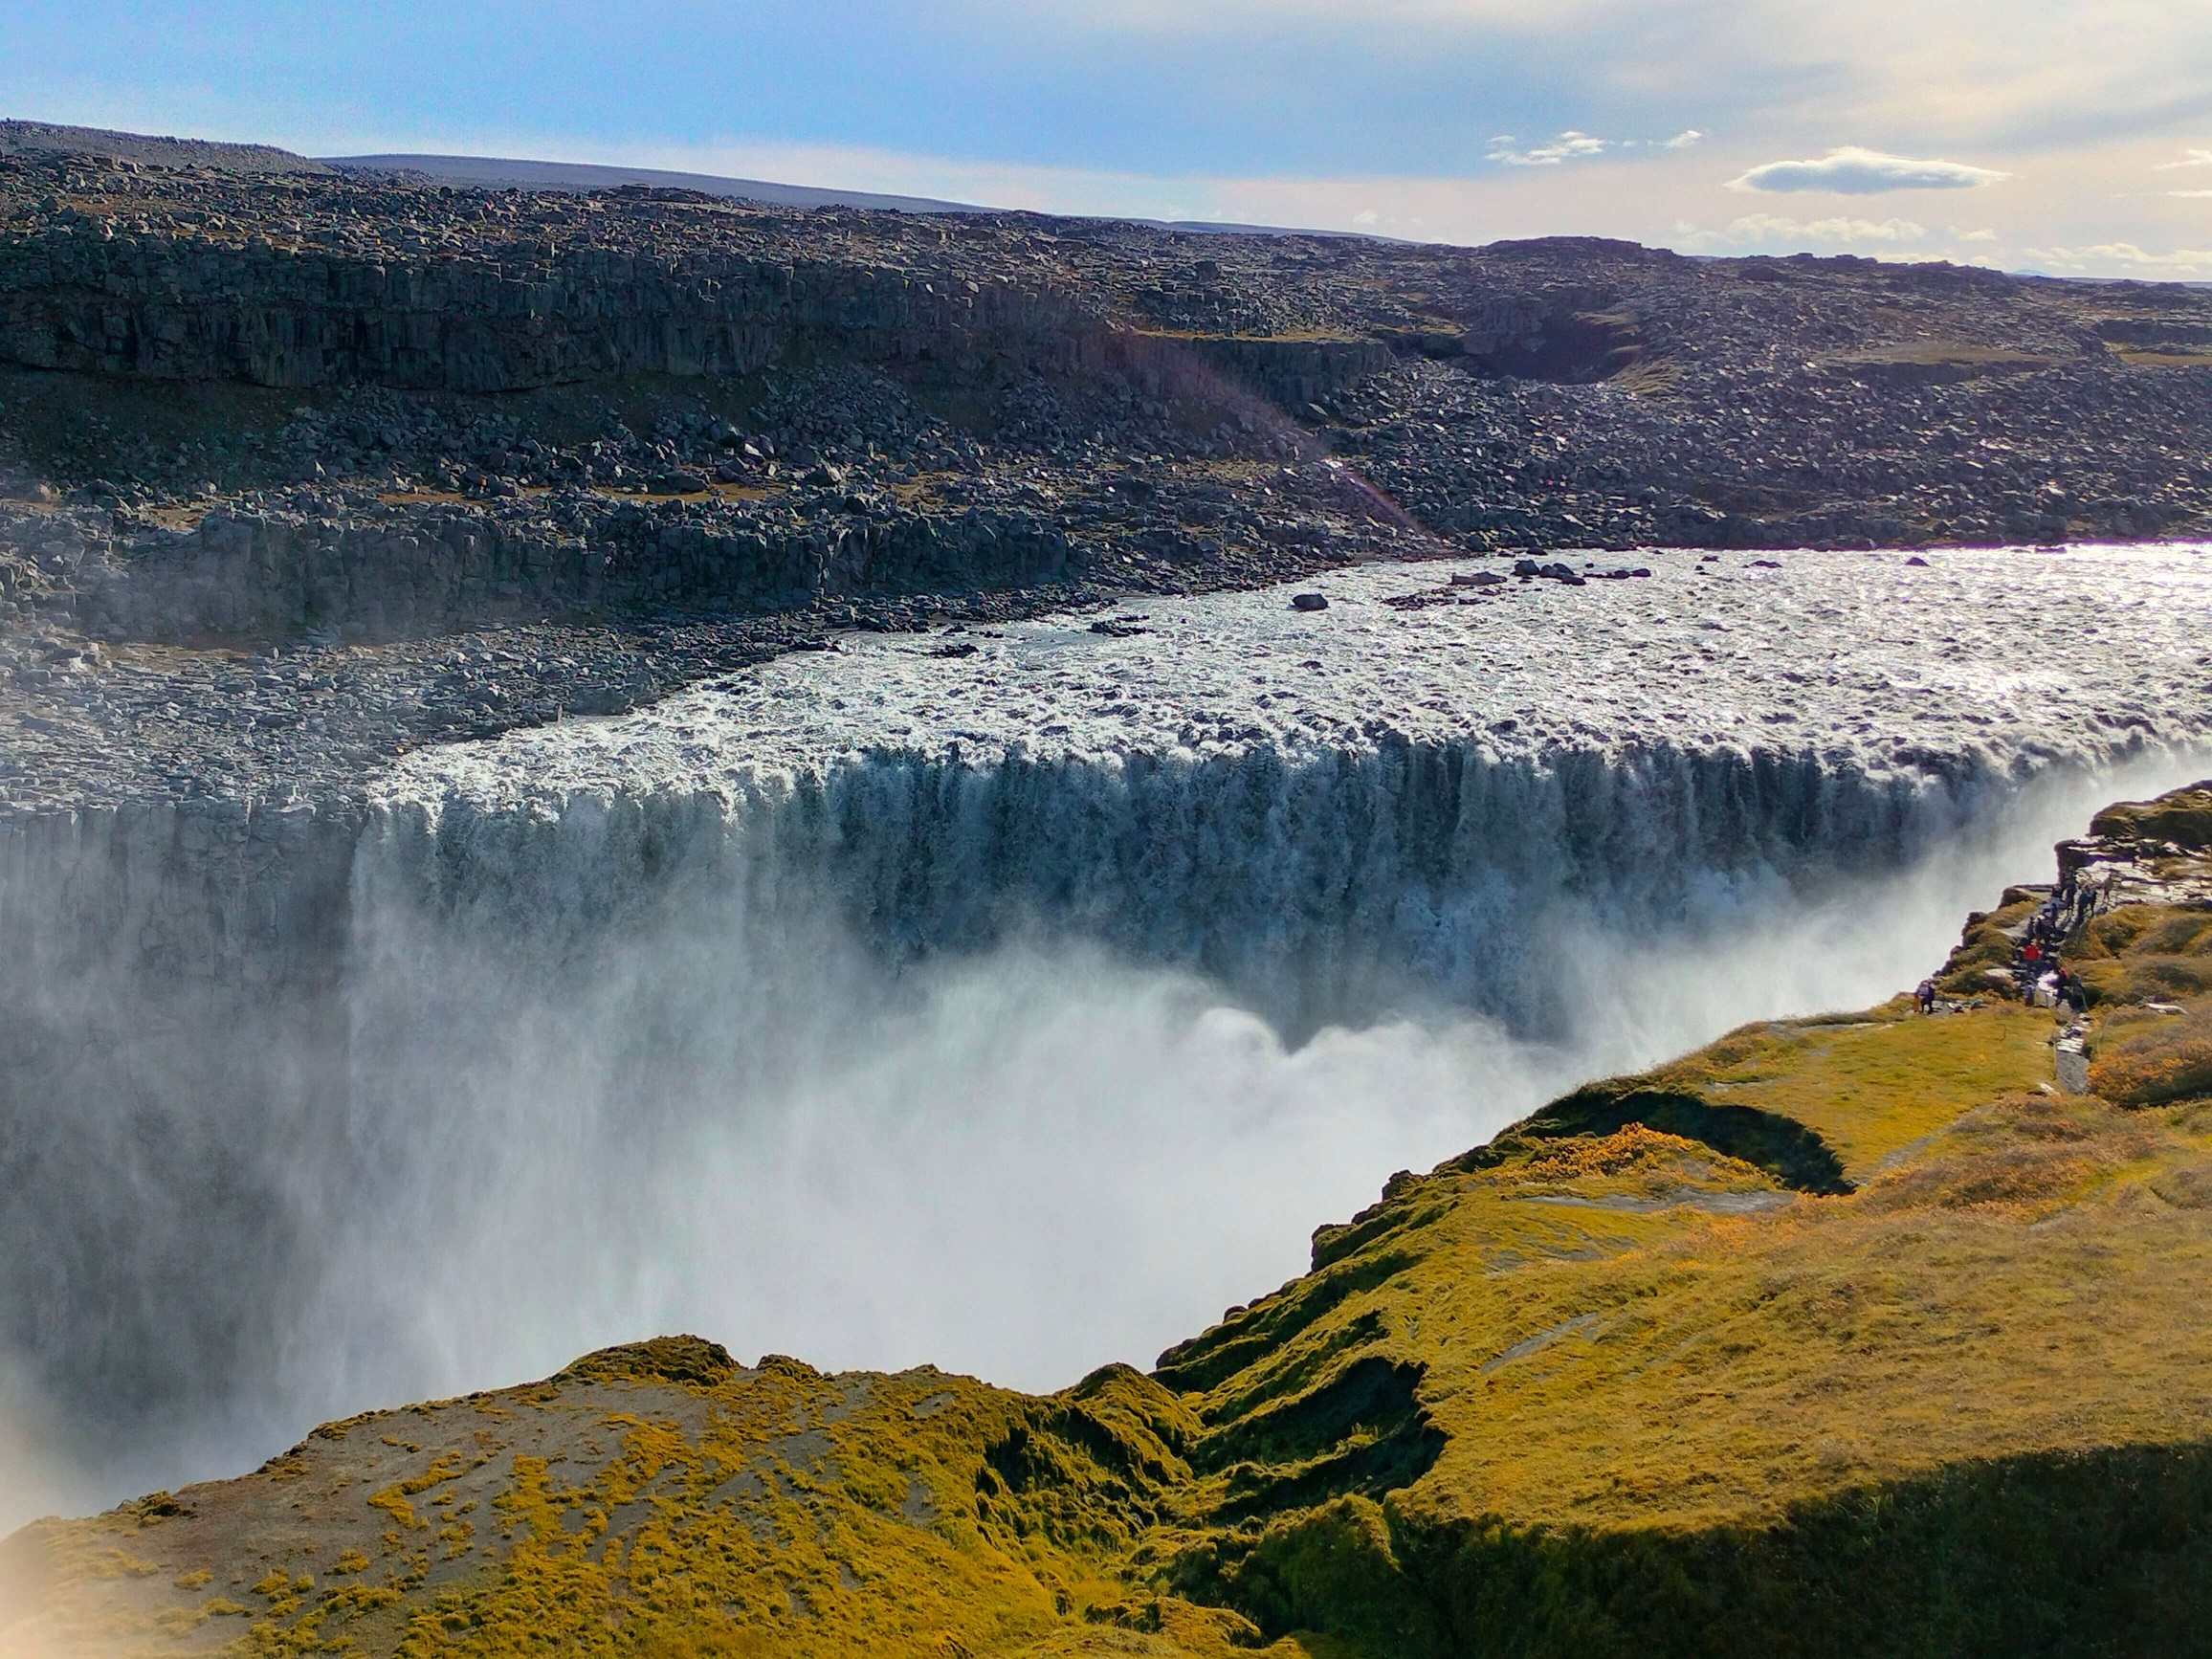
x,y
1572,146
2124,258
1770,229
1852,171
1569,146
1194,16
2189,158
2191,195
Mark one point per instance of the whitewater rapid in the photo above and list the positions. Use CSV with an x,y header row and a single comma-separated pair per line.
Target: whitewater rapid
x,y
1863,659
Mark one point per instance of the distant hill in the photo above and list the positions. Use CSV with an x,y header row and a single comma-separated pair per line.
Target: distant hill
x,y
483,172
19,137
494,173
506,172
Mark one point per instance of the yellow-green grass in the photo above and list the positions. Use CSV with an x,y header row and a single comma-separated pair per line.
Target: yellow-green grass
x,y
2145,953
1936,1407
718,1511
2004,1277
1877,1083
2181,817
2164,1054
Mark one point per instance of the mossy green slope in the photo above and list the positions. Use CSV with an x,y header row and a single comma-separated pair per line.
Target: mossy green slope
x,y
1840,1336
656,1499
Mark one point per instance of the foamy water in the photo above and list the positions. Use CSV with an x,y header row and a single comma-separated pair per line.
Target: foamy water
x,y
1858,656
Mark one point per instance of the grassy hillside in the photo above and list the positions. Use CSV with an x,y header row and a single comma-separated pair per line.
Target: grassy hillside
x,y
1841,1336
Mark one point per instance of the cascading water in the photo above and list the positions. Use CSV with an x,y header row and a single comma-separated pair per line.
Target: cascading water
x,y
892,1053
1322,889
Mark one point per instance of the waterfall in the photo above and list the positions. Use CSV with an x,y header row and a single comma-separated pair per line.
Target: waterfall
x,y
1326,890
1019,1064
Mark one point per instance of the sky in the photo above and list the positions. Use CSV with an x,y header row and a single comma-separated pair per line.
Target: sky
x,y
2067,135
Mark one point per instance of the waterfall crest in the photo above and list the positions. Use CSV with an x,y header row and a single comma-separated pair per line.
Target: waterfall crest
x,y
1322,889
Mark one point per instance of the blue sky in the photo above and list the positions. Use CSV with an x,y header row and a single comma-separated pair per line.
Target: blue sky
x,y
2027,133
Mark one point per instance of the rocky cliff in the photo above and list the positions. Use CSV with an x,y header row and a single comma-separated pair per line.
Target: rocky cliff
x,y
491,343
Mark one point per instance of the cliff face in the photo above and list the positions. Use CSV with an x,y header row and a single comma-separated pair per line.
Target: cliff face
x,y
85,299
521,317
427,571
1841,1336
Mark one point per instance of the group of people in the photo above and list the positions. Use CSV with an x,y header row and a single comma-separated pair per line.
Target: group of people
x,y
2042,976
2045,980
2038,974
